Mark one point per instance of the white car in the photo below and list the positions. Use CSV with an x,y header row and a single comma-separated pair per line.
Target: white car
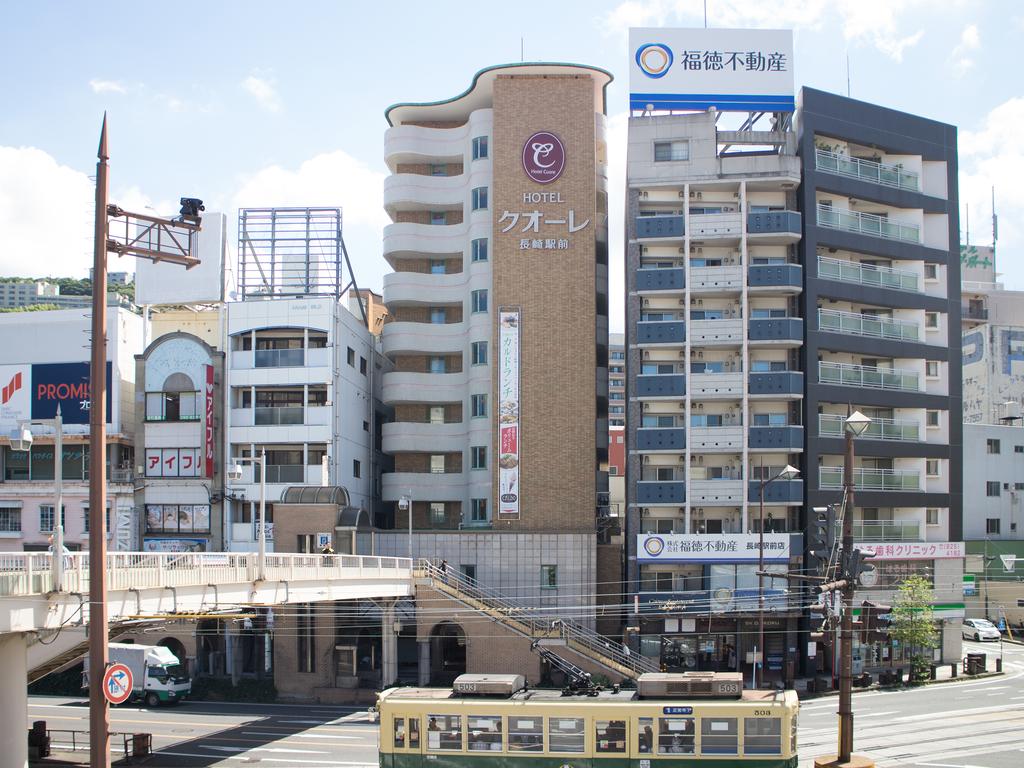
x,y
979,629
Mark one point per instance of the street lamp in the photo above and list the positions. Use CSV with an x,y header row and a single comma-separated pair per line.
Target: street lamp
x,y
787,473
235,473
21,440
855,425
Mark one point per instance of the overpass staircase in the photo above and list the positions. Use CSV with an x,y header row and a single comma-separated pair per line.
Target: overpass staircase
x,y
533,623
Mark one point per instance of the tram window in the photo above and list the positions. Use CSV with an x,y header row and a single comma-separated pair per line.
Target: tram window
x,y
484,732
399,733
762,735
718,736
792,733
611,735
444,732
565,734
525,734
675,735
645,735
414,733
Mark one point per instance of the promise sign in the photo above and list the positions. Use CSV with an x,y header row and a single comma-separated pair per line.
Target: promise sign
x,y
508,414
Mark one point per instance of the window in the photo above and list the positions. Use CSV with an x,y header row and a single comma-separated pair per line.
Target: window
x,y
770,419
399,733
175,518
106,520
610,736
438,365
671,151
992,445
479,147
437,414
438,315
525,734
484,732
366,426
437,267
992,488
438,218
931,271
645,735
479,300
438,169
468,570
444,732
992,525
437,513
1018,486
931,467
549,577
173,406
931,369
437,463
718,736
676,735
362,365
479,249
478,352
357,468
46,517
565,734
931,516
1018,449
10,519
477,406
479,198
931,320
351,357
305,631
932,418
762,735
478,457
613,470
478,510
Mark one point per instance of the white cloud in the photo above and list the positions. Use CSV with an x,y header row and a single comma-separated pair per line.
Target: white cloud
x,y
107,86
263,91
334,179
873,22
970,40
46,216
993,156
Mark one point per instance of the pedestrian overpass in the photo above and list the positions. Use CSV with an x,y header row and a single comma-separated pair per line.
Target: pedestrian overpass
x,y
43,629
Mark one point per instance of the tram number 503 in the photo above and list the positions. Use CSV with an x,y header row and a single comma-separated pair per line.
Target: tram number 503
x,y
728,687
762,713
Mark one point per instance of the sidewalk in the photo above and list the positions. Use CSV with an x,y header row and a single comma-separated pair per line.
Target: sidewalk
x,y
943,674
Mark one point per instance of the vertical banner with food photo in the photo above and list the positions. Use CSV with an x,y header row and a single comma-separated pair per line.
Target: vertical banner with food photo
x,y
508,415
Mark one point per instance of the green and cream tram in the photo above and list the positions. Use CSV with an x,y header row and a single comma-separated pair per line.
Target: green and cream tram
x,y
670,720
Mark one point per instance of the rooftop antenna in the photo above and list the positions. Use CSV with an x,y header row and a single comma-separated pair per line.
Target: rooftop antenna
x,y
522,49
967,222
705,14
995,228
847,74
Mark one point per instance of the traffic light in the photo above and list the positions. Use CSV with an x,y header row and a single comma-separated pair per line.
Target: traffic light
x,y
822,535
854,565
874,622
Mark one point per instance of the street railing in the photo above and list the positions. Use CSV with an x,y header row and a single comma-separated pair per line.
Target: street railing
x,y
29,573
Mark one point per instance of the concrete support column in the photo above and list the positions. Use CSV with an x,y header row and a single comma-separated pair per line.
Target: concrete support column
x,y
14,703
389,644
424,662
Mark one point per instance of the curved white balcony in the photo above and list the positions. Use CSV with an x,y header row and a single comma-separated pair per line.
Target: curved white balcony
x,y
423,338
415,144
405,288
407,387
407,436
418,239
419,192
424,486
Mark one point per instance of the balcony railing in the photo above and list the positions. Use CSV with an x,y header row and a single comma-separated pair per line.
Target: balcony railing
x,y
867,325
648,279
290,414
282,473
886,530
865,479
886,174
868,376
868,224
967,312
866,274
659,226
831,425
280,358
661,385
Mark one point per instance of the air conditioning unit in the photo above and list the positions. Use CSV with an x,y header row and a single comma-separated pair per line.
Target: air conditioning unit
x,y
736,195
682,302
682,460
682,353
643,194
696,249
647,460
645,406
682,250
643,249
646,303
683,194
682,406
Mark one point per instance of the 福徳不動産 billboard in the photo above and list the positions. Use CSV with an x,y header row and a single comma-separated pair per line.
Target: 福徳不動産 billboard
x,y
742,70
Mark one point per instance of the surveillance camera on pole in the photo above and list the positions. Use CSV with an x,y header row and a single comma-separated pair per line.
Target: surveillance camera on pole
x,y
21,439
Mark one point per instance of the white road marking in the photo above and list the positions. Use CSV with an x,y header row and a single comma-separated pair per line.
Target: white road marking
x,y
269,759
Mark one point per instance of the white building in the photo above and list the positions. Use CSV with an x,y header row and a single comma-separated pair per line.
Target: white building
x,y
300,373
43,363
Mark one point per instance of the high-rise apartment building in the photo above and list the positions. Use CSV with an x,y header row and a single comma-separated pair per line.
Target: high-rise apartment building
x,y
498,328
617,380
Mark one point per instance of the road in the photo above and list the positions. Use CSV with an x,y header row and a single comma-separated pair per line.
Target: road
x,y
965,724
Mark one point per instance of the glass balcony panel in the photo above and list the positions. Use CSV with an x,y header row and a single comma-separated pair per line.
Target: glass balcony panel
x,y
886,530
867,224
865,479
866,274
278,415
849,375
831,425
867,325
279,358
886,174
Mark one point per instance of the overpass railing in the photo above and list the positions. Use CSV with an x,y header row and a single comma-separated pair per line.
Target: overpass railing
x,y
29,573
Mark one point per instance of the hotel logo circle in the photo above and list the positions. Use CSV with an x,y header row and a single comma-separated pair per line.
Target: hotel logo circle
x,y
654,545
543,157
654,59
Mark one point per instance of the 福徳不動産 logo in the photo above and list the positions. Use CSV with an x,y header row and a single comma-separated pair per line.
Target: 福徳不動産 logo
x,y
654,546
654,59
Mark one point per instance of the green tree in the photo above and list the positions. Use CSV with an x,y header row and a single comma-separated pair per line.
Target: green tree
x,y
913,624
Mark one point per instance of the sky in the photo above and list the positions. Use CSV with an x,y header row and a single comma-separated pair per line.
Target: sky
x,y
282,104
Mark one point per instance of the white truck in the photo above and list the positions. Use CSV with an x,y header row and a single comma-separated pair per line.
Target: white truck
x,y
156,673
